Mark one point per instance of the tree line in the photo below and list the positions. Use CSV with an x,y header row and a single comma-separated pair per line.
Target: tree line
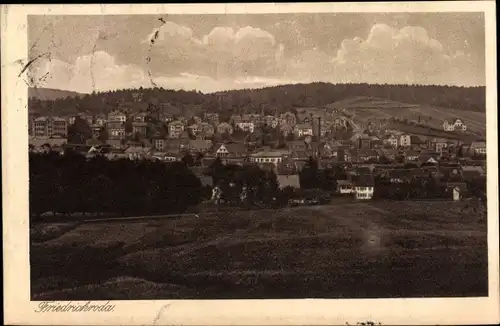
x,y
70,183
268,100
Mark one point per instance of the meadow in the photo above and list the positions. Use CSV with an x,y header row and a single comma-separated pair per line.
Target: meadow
x,y
372,108
358,250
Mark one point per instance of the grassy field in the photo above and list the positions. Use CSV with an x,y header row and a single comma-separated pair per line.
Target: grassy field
x,y
362,250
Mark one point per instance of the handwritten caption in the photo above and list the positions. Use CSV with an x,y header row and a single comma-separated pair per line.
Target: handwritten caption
x,y
53,306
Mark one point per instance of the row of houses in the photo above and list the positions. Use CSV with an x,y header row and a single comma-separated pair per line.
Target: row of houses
x,y
290,157
209,124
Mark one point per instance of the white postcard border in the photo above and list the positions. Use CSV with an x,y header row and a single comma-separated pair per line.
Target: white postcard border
x,y
18,308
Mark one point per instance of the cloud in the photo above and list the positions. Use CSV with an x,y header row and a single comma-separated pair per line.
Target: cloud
x,y
100,72
224,52
387,55
97,71
169,32
407,55
249,57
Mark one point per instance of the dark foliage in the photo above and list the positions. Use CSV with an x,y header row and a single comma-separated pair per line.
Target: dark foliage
x,y
261,185
71,184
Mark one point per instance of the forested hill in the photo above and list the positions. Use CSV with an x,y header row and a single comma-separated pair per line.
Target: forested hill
x,y
268,99
319,94
50,93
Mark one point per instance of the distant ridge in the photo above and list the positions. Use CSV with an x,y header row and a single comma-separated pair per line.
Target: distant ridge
x,y
50,94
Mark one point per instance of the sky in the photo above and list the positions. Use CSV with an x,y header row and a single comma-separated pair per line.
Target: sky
x,y
218,52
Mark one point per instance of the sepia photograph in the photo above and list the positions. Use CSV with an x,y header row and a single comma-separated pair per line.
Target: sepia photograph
x,y
256,155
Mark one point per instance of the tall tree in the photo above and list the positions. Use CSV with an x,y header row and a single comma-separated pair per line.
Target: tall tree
x,y
79,132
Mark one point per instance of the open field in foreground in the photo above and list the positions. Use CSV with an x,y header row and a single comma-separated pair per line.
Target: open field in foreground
x,y
362,250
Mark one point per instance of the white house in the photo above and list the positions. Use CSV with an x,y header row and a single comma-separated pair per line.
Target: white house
x,y
405,140
479,147
222,151
303,129
457,124
391,140
268,156
175,128
345,187
432,160
364,187
247,126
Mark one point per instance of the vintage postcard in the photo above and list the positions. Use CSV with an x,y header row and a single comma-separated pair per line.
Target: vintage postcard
x,y
250,164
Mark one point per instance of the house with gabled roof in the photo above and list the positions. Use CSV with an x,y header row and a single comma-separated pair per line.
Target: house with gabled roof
x,y
230,150
288,118
345,187
224,128
456,124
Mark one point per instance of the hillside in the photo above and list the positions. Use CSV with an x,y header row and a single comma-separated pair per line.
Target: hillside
x,y
412,98
319,94
50,94
367,109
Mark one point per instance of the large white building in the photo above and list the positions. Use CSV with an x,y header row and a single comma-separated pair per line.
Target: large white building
x,y
268,156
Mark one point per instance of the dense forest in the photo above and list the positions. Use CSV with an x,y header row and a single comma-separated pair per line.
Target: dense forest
x,y
122,187
268,100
